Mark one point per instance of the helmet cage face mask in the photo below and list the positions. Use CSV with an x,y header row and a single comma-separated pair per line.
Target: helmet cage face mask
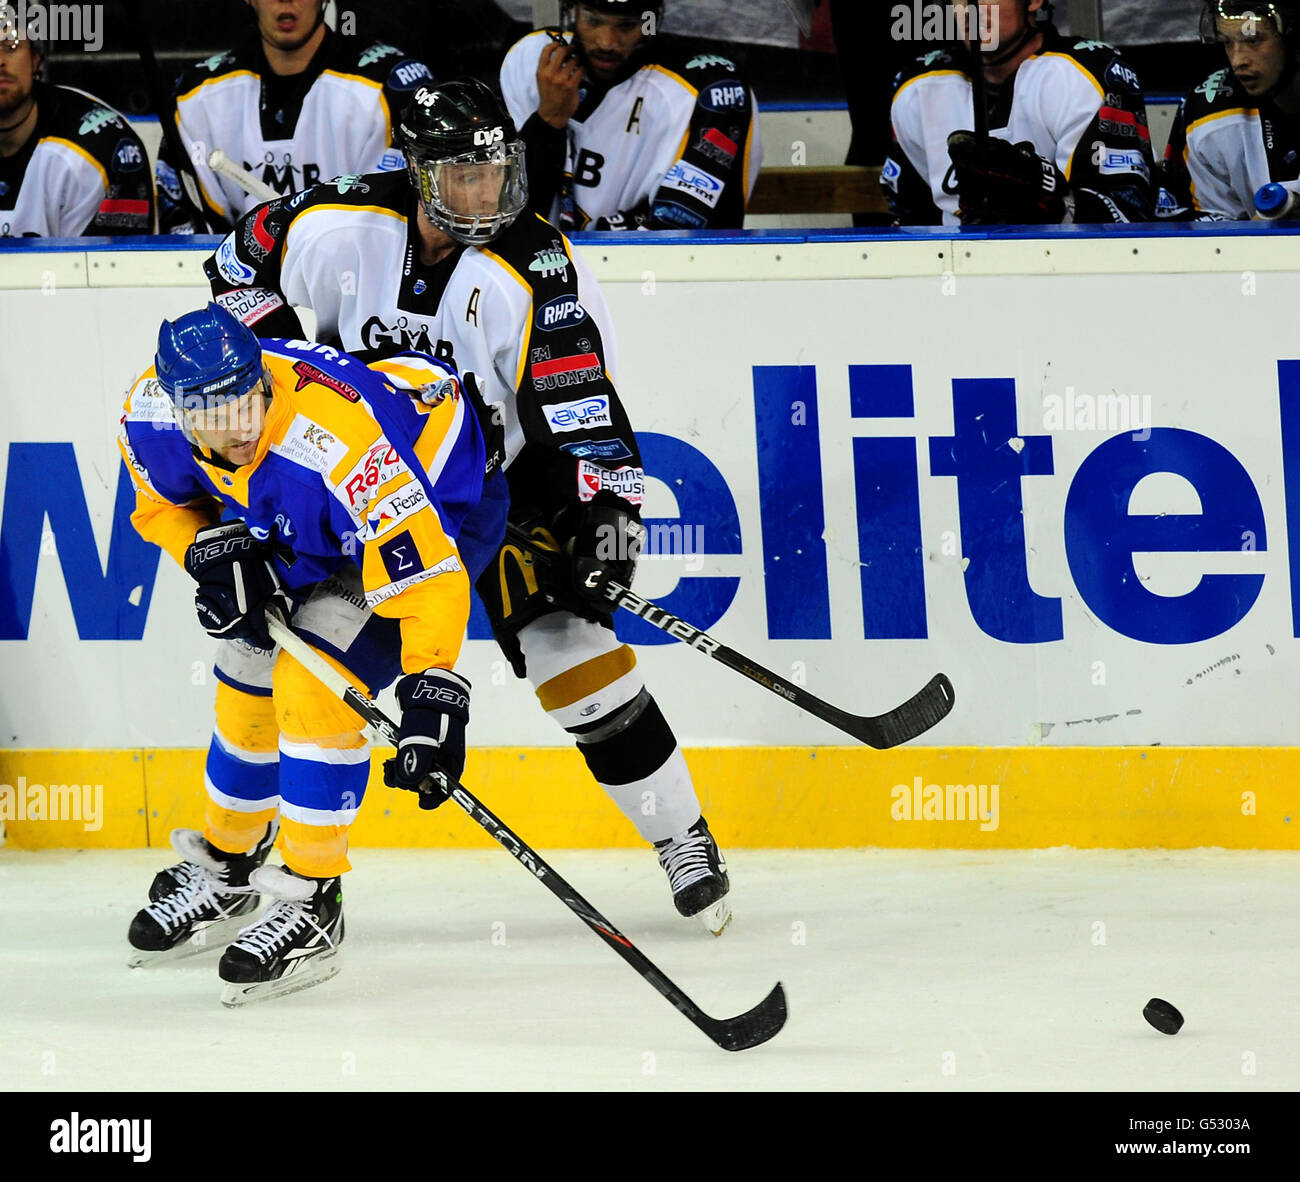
x,y
446,185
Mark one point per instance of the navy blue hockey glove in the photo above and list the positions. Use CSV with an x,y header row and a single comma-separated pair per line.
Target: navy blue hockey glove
x,y
236,583
431,739
1000,183
605,546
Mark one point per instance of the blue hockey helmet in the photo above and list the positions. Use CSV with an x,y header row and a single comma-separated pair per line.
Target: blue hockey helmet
x,y
207,358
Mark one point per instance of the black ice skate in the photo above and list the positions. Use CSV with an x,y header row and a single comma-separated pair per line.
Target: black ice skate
x,y
293,946
205,906
172,878
697,875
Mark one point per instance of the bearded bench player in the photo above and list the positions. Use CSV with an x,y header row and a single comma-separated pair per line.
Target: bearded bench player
x,y
294,103
443,258
1239,130
623,136
363,515
69,164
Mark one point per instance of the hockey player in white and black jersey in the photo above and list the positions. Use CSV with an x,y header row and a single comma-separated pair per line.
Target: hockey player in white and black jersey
x,y
1068,138
622,135
1239,130
445,260
294,103
70,165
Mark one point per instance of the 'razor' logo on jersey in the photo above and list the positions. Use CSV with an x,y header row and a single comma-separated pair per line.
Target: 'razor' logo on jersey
x,y
710,59
579,416
485,137
377,53
551,262
560,313
97,120
307,374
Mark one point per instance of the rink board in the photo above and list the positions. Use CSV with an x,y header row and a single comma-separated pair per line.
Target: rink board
x,y
756,797
1054,467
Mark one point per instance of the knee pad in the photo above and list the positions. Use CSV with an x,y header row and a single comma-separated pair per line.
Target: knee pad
x,y
581,672
307,712
246,722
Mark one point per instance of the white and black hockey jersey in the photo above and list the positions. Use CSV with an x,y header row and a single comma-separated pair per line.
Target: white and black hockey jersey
x,y
291,131
83,171
1078,102
522,320
670,145
1224,147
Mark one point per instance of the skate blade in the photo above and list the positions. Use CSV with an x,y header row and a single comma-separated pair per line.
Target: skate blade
x,y
323,967
715,918
212,938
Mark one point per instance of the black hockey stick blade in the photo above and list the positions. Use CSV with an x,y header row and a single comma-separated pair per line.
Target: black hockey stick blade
x,y
924,709
752,1028
914,717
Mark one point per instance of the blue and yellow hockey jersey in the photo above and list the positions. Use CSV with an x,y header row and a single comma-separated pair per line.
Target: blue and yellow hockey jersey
x,y
350,467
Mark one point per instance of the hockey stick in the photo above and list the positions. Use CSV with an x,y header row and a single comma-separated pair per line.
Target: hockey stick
x,y
924,709
222,164
740,1033
978,91
164,104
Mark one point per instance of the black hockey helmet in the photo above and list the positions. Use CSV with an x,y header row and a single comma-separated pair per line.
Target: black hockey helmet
x,y
460,142
1283,14
640,10
11,34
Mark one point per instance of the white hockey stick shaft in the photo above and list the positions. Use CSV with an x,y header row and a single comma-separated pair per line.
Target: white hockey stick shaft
x,y
222,164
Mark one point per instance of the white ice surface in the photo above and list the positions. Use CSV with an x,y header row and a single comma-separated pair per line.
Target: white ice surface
x,y
917,970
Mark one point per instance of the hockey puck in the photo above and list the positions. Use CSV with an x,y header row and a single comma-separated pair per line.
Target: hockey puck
x,y
1162,1016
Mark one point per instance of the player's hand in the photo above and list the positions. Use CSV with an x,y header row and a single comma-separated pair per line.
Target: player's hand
x,y
559,76
236,583
1000,183
431,739
604,550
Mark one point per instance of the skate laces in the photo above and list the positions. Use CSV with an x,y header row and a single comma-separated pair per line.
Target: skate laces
x,y
197,892
686,860
284,919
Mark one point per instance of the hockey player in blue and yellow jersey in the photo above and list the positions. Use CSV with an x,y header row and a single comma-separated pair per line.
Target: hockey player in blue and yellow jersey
x,y
353,499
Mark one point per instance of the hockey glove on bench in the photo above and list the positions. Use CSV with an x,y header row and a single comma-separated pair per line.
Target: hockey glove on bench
x,y
1000,183
236,583
431,739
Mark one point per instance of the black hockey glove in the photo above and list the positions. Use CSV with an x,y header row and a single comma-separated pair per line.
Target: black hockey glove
x,y
1003,184
605,546
431,739
236,583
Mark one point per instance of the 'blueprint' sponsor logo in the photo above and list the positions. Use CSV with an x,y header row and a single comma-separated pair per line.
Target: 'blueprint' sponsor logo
x,y
580,415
